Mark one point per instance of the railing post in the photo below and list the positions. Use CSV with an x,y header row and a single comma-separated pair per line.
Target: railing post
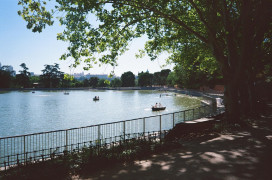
x,y
184,116
124,127
144,126
160,127
173,120
66,144
98,131
193,114
24,149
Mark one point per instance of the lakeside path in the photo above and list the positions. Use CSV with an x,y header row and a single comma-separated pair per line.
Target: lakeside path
x,y
243,154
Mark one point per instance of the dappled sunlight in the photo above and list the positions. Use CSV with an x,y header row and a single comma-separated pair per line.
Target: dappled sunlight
x,y
186,156
206,169
242,134
232,155
269,137
213,157
181,171
235,154
144,165
166,167
220,138
122,171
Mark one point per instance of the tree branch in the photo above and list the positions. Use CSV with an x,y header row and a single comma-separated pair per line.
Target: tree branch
x,y
166,16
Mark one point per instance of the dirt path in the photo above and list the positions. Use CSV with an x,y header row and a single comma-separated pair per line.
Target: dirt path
x,y
239,155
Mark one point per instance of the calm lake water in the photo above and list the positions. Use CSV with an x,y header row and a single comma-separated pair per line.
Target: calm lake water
x,y
27,112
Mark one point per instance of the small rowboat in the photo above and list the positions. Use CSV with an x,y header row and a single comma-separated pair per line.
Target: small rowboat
x,y
96,99
158,108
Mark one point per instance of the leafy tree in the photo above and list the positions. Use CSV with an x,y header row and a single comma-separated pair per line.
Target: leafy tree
x,y
94,81
34,79
161,77
78,83
86,83
164,74
102,83
145,79
116,82
22,79
234,32
52,76
67,80
157,78
6,77
172,79
128,79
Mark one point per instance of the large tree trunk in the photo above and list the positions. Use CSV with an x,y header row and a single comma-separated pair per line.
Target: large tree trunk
x,y
231,99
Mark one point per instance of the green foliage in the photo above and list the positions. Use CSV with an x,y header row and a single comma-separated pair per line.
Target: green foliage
x,y
164,74
116,82
78,83
103,83
67,81
34,79
52,76
157,78
94,81
6,77
128,79
160,78
172,79
58,168
23,79
145,79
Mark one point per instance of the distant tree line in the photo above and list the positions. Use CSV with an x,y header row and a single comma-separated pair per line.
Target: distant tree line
x,y
52,77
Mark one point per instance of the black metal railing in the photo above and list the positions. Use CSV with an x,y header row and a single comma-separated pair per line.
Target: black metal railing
x,y
17,150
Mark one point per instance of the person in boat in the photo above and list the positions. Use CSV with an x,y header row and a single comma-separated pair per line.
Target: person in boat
x,y
156,105
97,97
159,104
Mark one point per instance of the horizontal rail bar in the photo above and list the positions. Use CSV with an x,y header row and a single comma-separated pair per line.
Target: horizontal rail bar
x,y
95,124
22,149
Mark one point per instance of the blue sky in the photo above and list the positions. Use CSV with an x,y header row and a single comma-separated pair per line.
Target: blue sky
x,y
18,45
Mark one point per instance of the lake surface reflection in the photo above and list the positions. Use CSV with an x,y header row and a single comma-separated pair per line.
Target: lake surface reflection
x,y
27,112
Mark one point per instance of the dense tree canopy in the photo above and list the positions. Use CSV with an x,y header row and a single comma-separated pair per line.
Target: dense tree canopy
x,y
5,77
172,79
145,79
94,81
237,33
116,82
23,79
52,76
128,79
102,83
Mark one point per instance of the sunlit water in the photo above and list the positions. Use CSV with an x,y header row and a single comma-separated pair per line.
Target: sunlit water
x,y
27,112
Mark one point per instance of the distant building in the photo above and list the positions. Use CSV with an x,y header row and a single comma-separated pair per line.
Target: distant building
x,y
81,76
78,75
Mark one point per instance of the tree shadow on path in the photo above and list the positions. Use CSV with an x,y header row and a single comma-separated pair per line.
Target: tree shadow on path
x,y
245,154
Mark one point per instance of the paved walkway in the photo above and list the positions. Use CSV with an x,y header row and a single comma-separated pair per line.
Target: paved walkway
x,y
246,154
